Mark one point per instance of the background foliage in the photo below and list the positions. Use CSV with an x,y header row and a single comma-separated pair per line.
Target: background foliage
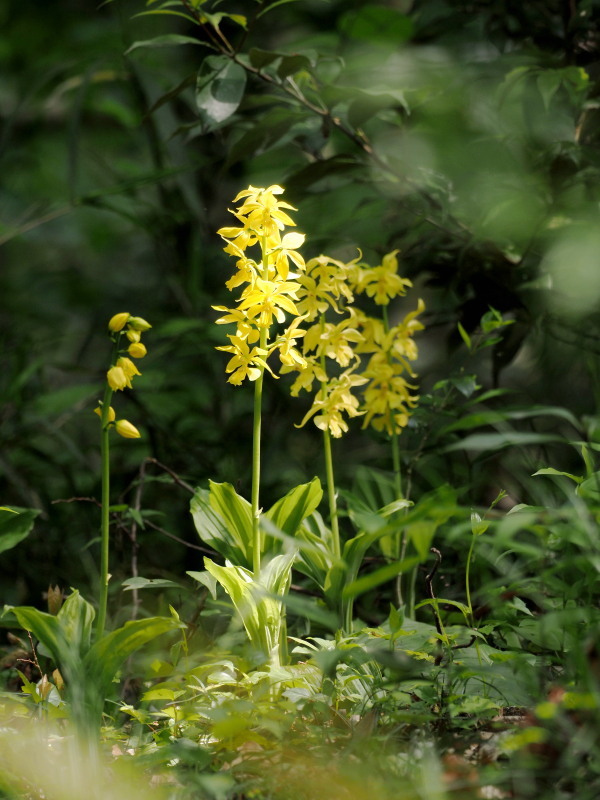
x,y
463,133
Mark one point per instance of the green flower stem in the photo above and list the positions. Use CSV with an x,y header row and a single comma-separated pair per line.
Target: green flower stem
x,y
400,538
105,519
333,513
257,543
467,580
396,463
256,432
395,443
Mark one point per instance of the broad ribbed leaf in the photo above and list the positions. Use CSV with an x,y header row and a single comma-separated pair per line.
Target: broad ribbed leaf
x,y
45,627
237,582
379,576
75,618
289,513
215,531
104,658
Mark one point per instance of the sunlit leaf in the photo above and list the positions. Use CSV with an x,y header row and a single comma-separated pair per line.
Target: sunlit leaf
x,y
219,89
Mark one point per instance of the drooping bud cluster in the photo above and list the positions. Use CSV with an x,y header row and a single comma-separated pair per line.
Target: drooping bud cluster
x,y
123,370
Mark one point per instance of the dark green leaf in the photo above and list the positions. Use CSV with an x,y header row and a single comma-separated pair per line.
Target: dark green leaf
x,y
14,527
376,23
167,40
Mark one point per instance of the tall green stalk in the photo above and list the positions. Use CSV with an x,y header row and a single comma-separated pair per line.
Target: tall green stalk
x,y
400,538
257,543
105,517
333,512
256,433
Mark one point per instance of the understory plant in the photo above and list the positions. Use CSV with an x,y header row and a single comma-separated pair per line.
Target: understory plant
x,y
73,634
304,312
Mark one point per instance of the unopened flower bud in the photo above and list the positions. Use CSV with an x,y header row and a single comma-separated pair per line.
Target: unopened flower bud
x,y
118,322
117,379
139,324
111,413
133,336
126,429
55,599
137,350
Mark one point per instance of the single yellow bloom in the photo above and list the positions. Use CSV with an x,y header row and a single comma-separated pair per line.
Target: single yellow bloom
x,y
306,376
118,322
268,299
286,344
128,367
382,283
117,380
245,363
137,350
111,413
243,238
139,324
245,329
126,429
327,411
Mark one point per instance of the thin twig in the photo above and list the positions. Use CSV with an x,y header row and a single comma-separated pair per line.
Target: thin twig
x,y
179,481
77,500
177,539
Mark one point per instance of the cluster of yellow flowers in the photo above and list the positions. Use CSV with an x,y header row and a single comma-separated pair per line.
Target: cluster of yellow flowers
x,y
123,370
368,353
270,288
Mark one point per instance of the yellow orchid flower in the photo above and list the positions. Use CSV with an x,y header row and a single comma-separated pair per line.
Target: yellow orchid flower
x,y
327,411
245,363
268,299
382,283
117,380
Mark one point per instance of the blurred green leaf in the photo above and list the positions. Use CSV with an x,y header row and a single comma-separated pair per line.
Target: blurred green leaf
x,y
166,40
15,525
219,90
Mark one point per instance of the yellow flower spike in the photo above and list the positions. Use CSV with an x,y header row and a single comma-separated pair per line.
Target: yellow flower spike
x,y
126,429
111,413
139,324
137,350
118,322
117,380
